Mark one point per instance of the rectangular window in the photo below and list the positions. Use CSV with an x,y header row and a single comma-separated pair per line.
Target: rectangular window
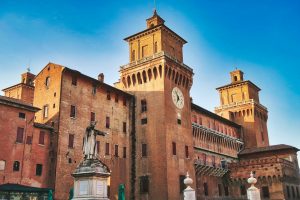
x,y
174,148
42,138
38,169
108,95
71,141
117,98
124,101
2,165
107,149
205,186
143,105
179,121
93,116
182,186
144,184
45,111
144,51
94,89
144,121
74,80
226,191
16,166
116,150
124,127
20,134
186,151
265,192
22,115
243,190
107,122
98,147
132,55
155,47
73,111
220,189
144,150
124,152
29,140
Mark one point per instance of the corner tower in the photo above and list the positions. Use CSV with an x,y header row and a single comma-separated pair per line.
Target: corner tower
x,y
161,83
240,103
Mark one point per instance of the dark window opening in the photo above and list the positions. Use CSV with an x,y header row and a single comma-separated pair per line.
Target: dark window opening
x,y
47,81
265,192
288,191
179,121
174,148
94,89
20,134
70,160
29,140
42,138
74,80
107,149
107,122
205,186
22,115
93,116
293,192
117,98
71,141
124,127
143,105
235,78
144,150
73,111
116,150
124,152
182,186
220,189
144,121
186,151
38,169
243,190
108,95
155,47
54,105
16,166
226,190
144,184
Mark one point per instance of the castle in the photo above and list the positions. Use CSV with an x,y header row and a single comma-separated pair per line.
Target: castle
x,y
155,132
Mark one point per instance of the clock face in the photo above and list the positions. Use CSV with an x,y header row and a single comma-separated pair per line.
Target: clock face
x,y
177,98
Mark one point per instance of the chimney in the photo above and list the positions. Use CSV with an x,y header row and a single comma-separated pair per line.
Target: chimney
x,y
101,77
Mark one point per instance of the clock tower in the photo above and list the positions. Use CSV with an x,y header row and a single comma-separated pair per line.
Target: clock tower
x,y
161,83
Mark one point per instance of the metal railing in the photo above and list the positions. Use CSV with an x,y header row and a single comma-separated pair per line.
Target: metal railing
x,y
234,104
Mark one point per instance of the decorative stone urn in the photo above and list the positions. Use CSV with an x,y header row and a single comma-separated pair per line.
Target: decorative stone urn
x,y
189,192
252,192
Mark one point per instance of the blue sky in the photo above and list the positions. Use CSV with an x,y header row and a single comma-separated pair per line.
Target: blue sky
x,y
259,37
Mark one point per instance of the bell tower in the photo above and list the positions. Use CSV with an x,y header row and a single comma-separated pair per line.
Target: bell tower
x,y
161,83
240,103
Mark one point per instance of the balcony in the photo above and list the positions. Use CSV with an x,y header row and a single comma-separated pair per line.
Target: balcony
x,y
235,104
156,55
209,169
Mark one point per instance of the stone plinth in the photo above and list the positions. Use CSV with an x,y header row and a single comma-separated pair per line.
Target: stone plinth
x,y
90,180
253,192
189,192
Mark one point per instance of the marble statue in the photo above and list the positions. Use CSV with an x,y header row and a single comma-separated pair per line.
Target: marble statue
x,y
89,141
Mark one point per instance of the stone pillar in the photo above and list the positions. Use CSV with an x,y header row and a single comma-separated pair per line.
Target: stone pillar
x,y
90,180
253,192
188,193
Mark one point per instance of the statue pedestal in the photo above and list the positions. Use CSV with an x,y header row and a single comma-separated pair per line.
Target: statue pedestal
x,y
90,180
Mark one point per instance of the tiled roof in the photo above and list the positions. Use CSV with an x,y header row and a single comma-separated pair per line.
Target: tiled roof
x,y
17,103
213,115
268,148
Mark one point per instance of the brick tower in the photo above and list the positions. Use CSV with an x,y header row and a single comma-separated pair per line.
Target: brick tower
x,y
240,103
161,84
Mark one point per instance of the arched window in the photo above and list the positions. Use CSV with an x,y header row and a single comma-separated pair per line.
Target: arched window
x,y
160,70
133,79
149,74
139,78
176,78
124,82
155,72
128,81
144,76
169,73
180,78
47,81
